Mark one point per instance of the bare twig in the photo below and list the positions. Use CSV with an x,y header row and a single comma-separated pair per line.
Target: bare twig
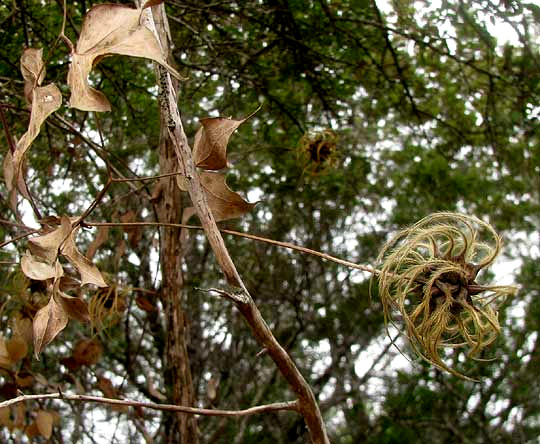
x,y
278,406
287,245
17,238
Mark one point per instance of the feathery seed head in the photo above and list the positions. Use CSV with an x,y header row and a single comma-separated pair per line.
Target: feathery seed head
x,y
428,275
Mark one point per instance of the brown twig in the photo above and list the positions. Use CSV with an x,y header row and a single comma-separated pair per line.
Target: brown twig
x,y
17,238
307,403
278,406
287,245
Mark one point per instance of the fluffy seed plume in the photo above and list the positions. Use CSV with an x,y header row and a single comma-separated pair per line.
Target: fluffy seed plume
x,y
428,276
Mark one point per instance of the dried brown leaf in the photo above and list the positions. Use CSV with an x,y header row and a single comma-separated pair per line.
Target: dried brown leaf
x,y
36,269
19,415
9,171
88,271
68,283
45,101
106,386
47,246
151,3
144,304
32,431
109,29
210,145
87,352
22,327
44,422
223,202
75,307
48,322
5,358
5,419
33,70
17,348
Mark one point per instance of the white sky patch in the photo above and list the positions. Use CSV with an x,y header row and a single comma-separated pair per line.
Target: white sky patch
x,y
27,214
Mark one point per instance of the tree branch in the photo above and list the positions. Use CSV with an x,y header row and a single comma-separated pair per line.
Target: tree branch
x,y
278,406
307,403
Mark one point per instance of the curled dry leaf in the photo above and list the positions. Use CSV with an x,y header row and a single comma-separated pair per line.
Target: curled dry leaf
x,y
9,173
9,179
210,145
36,269
109,29
45,101
44,422
88,271
33,70
47,246
48,322
75,307
223,202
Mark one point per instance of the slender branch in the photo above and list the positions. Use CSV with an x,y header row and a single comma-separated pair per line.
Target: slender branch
x,y
307,403
278,406
144,178
17,238
94,203
287,245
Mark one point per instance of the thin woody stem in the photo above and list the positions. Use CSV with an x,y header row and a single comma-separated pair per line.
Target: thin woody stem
x,y
278,406
287,245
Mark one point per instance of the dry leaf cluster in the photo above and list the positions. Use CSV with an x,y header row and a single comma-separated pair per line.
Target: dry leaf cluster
x,y
107,29
41,262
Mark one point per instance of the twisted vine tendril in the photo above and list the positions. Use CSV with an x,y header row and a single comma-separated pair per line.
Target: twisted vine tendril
x,y
428,277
